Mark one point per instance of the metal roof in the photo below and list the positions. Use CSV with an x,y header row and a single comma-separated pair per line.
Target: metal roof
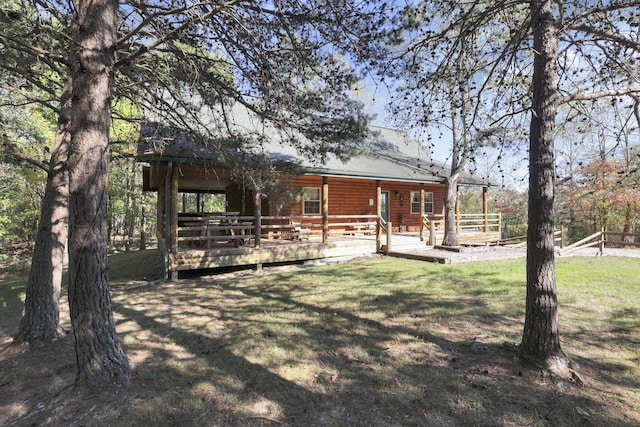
x,y
386,154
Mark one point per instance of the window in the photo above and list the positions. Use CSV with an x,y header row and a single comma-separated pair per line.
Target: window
x,y
415,202
311,200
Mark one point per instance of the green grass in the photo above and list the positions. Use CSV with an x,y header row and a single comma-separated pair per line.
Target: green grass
x,y
380,341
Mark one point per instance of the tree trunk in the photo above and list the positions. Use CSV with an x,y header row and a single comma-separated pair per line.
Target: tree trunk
x,y
628,224
41,316
450,196
98,352
540,339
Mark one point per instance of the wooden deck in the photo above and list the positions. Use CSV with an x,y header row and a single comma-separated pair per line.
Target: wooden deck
x,y
228,239
271,251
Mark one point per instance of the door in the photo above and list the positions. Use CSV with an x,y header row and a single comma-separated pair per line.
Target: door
x,y
384,205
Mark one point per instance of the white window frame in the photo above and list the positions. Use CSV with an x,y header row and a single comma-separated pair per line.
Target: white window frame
x,y
415,202
307,199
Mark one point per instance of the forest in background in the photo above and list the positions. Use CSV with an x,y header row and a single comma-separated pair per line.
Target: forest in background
x,y
597,187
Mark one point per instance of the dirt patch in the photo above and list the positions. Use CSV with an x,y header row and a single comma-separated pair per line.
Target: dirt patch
x,y
37,389
462,385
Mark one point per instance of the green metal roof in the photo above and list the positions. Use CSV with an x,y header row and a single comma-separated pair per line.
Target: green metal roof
x,y
386,154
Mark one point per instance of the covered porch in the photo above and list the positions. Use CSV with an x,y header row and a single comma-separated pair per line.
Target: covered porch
x,y
192,239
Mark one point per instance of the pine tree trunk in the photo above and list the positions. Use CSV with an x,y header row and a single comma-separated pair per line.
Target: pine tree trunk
x,y
41,316
98,352
450,196
540,339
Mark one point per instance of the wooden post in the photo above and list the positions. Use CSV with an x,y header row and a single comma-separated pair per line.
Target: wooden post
x,y
325,209
485,208
257,225
421,213
458,212
389,228
602,241
161,214
173,212
432,235
379,215
162,228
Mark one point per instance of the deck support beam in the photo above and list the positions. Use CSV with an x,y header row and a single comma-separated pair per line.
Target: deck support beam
x,y
258,219
161,212
389,233
458,211
173,215
379,215
325,209
421,212
162,227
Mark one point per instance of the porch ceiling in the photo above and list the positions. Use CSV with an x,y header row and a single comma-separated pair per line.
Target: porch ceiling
x,y
212,185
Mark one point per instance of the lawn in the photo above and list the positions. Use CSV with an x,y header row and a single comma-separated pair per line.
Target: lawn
x,y
377,342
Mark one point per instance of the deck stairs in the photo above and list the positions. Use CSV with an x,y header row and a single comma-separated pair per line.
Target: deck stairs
x,y
405,242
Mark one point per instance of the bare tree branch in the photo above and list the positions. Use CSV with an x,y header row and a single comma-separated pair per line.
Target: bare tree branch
x,y
598,95
607,35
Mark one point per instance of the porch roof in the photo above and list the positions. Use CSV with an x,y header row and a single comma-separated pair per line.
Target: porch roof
x,y
390,155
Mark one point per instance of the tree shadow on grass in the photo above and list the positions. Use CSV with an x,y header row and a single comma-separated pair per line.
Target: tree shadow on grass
x,y
283,351
617,336
248,379
266,354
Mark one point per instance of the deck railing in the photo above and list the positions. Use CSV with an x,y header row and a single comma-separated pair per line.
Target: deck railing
x,y
219,229
206,231
304,227
465,223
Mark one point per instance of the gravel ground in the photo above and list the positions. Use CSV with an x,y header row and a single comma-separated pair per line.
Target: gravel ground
x,y
630,253
482,253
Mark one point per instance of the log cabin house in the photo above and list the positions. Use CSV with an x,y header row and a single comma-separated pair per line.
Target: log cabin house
x,y
333,209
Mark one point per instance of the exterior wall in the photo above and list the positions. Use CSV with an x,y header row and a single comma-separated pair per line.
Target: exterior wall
x,y
359,197
400,204
346,196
